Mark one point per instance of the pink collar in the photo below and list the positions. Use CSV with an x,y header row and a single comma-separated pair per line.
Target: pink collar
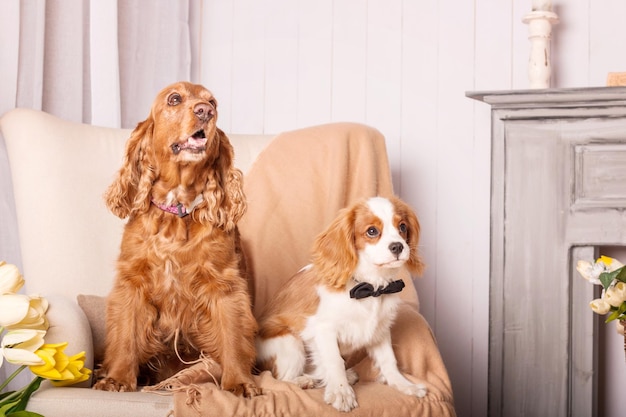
x,y
178,209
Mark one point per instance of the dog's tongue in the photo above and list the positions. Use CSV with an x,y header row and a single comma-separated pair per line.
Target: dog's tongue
x,y
196,142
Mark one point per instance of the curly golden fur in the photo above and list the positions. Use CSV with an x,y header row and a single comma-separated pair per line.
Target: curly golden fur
x,y
181,286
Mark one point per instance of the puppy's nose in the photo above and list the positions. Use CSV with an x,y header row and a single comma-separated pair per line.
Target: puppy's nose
x,y
203,111
396,248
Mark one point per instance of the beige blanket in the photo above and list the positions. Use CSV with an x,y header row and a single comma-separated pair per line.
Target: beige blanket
x,y
295,188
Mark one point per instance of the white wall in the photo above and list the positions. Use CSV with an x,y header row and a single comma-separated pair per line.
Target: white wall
x,y
403,66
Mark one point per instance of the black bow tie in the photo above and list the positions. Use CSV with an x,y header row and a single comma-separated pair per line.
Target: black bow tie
x,y
364,289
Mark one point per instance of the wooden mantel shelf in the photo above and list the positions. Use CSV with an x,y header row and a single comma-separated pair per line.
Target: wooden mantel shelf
x,y
558,193
562,97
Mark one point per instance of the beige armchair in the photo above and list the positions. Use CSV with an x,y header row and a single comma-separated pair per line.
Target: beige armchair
x,y
295,183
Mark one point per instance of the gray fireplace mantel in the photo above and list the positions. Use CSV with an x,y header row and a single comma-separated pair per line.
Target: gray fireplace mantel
x,y
558,192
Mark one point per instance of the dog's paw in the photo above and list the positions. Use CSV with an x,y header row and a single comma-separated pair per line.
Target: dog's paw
x,y
110,384
306,382
245,389
416,390
352,376
251,390
341,397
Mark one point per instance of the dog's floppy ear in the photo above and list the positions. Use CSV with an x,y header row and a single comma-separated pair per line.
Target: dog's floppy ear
x,y
130,191
224,196
414,264
334,254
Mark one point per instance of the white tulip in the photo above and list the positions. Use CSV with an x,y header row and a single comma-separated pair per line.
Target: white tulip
x,y
10,278
600,306
19,311
13,308
615,294
36,316
18,347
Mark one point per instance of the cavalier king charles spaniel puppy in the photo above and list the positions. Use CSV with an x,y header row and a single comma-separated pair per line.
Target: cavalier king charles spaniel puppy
x,y
346,300
181,289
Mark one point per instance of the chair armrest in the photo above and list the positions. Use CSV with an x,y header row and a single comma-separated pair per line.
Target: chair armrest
x,y
68,323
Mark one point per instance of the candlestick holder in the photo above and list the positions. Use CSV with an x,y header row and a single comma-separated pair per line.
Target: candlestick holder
x,y
540,28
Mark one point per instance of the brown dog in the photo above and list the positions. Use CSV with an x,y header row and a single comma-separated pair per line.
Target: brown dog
x,y
181,288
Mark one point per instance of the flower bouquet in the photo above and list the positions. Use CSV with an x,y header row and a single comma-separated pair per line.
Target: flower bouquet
x,y
23,326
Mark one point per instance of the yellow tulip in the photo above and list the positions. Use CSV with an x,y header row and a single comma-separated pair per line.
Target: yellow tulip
x,y
19,311
18,346
60,369
10,278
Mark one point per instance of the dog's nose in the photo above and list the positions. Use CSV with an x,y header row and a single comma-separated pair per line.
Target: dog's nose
x,y
396,248
203,111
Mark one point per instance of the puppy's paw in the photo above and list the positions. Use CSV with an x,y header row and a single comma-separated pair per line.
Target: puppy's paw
x,y
341,397
417,390
352,376
110,384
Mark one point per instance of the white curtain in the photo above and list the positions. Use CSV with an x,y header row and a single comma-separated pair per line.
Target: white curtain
x,y
94,61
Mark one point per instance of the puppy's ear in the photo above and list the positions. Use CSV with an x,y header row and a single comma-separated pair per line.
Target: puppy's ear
x,y
334,255
130,191
226,202
414,263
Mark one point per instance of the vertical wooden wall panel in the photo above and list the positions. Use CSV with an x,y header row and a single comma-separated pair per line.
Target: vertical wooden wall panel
x,y
315,53
349,60
248,77
384,75
281,65
419,147
604,36
520,47
570,44
216,63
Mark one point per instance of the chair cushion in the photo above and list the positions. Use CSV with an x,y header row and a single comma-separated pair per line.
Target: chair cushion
x,y
94,307
69,401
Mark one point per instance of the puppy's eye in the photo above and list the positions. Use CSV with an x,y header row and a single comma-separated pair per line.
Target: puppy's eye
x,y
174,99
213,103
372,232
402,228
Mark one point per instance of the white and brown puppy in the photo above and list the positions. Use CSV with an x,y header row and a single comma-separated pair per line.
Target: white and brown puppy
x,y
346,300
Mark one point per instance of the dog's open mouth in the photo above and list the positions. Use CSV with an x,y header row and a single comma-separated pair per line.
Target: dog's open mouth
x,y
195,143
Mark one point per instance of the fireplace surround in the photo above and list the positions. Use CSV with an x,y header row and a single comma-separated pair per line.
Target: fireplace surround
x,y
558,193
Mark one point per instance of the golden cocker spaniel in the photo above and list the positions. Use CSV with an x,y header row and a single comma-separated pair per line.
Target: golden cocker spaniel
x,y
181,288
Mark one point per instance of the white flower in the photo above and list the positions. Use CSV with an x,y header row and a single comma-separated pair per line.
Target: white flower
x,y
611,264
591,272
23,312
18,347
600,306
615,294
10,278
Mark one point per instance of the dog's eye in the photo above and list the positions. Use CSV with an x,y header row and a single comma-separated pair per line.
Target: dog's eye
x,y
174,99
213,103
402,227
372,232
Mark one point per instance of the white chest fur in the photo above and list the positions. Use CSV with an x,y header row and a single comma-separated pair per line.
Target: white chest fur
x,y
352,323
